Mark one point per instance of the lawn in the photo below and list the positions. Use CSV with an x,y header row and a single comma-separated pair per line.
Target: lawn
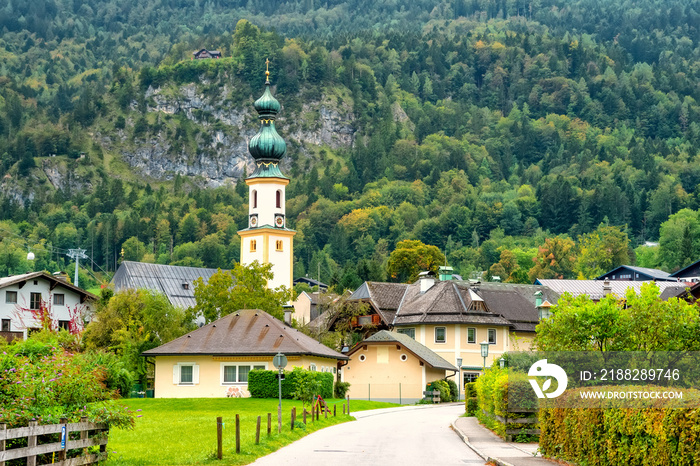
x,y
183,431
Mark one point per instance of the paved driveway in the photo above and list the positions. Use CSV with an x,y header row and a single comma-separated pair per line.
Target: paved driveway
x,y
413,435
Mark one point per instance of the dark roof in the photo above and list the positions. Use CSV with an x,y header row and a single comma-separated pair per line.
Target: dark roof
x,y
12,279
692,270
595,289
444,302
420,351
166,279
310,282
653,274
385,296
515,302
247,332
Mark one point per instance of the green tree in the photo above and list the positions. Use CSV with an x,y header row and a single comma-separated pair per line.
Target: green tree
x,y
601,251
243,287
412,257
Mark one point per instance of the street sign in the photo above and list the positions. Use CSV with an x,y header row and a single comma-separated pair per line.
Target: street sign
x,y
63,438
279,361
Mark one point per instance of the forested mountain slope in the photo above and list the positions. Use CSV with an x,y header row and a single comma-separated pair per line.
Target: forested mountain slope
x,y
478,127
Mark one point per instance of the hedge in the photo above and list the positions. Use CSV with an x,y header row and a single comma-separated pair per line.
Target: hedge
x,y
614,432
442,387
471,402
501,393
263,384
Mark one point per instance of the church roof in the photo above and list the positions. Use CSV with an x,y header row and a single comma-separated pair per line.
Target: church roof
x,y
267,147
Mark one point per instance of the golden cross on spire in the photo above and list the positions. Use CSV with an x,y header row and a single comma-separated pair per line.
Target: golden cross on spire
x,y
267,69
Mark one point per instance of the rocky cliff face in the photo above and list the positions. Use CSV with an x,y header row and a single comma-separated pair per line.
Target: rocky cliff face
x,y
222,143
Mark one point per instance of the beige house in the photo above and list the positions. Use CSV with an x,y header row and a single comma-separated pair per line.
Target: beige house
x,y
452,318
393,367
215,360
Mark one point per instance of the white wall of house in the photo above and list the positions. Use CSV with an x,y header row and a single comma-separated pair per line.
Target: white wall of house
x,y
61,301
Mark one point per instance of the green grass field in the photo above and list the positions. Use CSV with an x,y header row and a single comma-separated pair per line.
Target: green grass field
x,y
183,431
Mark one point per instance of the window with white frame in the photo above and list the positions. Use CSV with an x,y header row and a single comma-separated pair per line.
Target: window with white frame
x,y
411,332
440,335
471,335
238,373
492,336
186,373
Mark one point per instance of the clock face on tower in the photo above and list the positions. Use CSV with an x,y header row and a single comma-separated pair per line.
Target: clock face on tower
x,y
253,221
279,220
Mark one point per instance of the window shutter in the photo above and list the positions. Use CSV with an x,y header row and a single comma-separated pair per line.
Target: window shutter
x,y
176,374
195,374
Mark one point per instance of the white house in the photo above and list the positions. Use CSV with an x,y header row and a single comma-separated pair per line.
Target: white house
x,y
23,297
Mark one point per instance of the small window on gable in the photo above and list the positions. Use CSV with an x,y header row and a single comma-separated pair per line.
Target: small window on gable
x,y
279,199
253,245
11,297
255,199
59,299
279,245
34,301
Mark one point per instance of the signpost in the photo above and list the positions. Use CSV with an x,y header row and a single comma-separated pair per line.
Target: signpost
x,y
280,362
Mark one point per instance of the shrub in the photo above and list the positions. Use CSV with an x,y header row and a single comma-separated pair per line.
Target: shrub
x,y
621,432
498,391
470,390
44,382
341,389
471,406
454,392
263,384
442,387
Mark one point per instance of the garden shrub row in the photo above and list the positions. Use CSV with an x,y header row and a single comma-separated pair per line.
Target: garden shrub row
x,y
263,384
504,394
613,432
470,399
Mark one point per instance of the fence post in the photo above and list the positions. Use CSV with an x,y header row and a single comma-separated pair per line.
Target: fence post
x,y
304,415
343,409
3,427
238,434
269,423
31,442
348,405
84,434
293,416
326,411
64,440
257,432
219,438
313,414
334,410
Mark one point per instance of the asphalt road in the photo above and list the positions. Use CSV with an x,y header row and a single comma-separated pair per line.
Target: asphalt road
x,y
414,435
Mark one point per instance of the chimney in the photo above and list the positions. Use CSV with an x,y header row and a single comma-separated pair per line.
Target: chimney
x,y
427,280
288,311
63,276
607,289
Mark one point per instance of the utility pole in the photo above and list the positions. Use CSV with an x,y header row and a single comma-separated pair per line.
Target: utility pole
x,y
76,255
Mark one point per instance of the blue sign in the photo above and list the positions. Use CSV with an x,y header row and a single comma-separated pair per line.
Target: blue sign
x,y
63,437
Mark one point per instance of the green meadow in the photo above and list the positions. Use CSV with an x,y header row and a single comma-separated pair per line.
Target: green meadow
x,y
183,431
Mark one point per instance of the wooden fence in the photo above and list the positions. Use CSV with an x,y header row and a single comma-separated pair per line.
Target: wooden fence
x,y
57,450
524,418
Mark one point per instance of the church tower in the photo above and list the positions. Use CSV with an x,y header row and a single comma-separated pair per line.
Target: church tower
x,y
267,238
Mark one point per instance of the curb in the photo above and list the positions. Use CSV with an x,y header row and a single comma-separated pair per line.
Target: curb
x,y
486,458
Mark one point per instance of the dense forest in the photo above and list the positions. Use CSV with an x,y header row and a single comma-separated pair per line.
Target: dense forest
x,y
524,139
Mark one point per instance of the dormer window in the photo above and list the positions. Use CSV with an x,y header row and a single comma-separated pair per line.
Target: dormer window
x,y
185,286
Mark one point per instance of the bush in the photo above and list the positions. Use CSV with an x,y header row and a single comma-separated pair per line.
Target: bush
x,y
442,387
341,389
454,391
470,390
471,405
44,382
497,390
263,384
618,432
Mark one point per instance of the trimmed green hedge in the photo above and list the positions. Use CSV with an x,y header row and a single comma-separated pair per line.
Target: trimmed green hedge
x,y
263,384
471,402
613,432
497,391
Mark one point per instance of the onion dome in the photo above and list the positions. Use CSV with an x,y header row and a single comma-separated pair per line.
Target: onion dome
x,y
267,147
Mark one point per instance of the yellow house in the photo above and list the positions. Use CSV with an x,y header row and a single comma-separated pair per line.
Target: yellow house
x,y
393,367
453,318
215,360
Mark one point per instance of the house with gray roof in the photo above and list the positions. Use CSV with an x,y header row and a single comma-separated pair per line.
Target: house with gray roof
x,y
215,359
597,289
393,367
634,273
175,282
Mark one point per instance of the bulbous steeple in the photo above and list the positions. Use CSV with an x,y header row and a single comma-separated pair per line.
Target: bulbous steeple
x,y
267,147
